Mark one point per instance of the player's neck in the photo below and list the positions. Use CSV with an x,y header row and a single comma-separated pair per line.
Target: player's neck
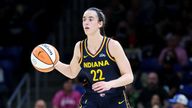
x,y
94,41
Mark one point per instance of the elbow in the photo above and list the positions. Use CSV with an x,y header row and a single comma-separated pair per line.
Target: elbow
x,y
69,76
130,79
73,76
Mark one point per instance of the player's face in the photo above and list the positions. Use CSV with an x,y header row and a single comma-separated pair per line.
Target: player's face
x,y
91,23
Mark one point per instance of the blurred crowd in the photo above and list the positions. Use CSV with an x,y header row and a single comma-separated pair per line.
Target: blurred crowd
x,y
68,96
151,96
155,34
23,25
157,37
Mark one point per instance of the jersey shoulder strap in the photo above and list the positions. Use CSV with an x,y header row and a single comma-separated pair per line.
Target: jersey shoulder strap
x,y
81,52
107,50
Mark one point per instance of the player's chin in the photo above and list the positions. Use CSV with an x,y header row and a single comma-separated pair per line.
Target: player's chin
x,y
88,33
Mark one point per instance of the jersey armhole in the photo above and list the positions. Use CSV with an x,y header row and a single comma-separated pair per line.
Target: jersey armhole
x,y
81,52
108,52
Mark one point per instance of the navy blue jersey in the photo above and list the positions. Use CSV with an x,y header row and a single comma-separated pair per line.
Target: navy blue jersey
x,y
100,66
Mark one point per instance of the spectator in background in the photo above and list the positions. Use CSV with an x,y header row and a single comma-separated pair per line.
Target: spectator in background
x,y
173,59
173,53
40,104
151,89
170,80
66,98
156,101
133,94
179,101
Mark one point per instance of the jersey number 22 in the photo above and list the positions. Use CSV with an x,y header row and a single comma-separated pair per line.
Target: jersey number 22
x,y
97,75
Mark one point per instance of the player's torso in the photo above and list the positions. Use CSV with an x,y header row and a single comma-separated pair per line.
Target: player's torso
x,y
99,66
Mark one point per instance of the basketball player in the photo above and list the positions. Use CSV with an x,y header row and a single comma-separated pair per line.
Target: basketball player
x,y
101,63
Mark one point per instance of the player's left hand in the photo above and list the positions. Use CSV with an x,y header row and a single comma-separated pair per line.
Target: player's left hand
x,y
101,86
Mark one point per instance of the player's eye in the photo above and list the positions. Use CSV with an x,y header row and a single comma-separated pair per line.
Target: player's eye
x,y
83,19
90,19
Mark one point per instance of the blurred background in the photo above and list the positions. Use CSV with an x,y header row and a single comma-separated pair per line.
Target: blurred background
x,y
156,36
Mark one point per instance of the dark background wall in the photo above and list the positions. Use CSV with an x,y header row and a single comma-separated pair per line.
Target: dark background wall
x,y
143,27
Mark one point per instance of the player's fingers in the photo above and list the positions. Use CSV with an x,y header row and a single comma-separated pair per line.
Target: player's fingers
x,y
100,91
96,85
97,88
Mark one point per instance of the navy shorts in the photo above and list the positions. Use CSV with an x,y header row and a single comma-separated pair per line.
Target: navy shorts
x,y
104,101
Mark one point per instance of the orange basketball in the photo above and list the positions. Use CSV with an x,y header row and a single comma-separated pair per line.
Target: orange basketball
x,y
44,57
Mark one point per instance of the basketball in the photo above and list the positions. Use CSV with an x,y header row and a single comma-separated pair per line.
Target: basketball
x,y
44,57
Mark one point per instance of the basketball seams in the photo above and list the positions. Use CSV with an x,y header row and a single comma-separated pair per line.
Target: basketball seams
x,y
49,49
46,53
40,63
44,57
44,70
40,59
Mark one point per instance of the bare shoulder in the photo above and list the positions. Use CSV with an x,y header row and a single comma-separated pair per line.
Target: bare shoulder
x,y
78,44
115,48
114,44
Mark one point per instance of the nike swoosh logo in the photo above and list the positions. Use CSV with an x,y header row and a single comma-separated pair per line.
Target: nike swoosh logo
x,y
86,101
39,53
85,56
120,102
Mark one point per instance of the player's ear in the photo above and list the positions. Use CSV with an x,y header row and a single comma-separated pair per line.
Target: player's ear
x,y
100,24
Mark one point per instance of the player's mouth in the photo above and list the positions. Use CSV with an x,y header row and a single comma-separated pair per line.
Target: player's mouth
x,y
86,28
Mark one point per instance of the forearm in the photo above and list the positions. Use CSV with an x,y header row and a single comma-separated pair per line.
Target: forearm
x,y
65,69
121,81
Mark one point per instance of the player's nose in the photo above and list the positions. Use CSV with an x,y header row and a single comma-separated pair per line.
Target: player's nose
x,y
86,22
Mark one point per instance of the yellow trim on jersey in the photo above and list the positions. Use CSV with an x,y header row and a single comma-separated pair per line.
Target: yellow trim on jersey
x,y
81,52
80,105
99,50
126,101
107,50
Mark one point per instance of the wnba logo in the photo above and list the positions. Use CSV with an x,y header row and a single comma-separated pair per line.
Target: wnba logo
x,y
51,53
102,55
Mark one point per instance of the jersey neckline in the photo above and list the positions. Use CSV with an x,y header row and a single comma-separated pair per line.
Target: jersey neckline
x,y
98,50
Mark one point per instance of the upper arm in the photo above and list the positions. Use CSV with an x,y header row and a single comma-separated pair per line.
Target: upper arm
x,y
118,53
75,65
